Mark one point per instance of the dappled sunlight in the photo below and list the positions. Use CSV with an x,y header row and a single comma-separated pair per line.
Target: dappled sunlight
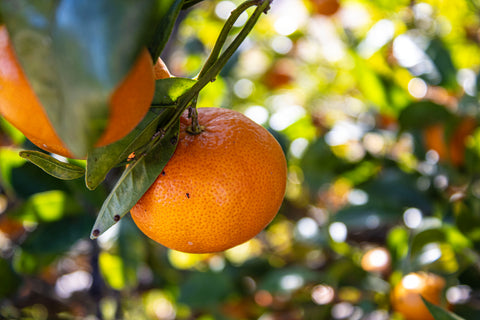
x,y
375,105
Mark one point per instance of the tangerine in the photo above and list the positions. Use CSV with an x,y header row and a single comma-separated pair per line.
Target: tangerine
x,y
280,74
450,148
160,70
458,141
21,107
325,7
405,296
434,137
220,188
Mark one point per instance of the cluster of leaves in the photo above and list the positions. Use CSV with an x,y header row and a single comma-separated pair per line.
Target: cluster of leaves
x,y
376,107
78,104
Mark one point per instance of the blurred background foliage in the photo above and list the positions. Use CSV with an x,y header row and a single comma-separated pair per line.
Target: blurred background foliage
x,y
376,106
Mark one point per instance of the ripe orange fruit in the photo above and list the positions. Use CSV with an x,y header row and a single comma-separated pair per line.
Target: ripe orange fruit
x,y
434,137
160,70
325,7
457,143
450,148
220,188
21,107
280,74
11,228
405,296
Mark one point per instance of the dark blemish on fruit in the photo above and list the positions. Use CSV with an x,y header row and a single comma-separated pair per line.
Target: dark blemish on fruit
x,y
96,233
188,195
173,140
116,217
163,173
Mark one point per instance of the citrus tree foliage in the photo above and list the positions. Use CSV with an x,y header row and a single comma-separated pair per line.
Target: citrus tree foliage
x,y
375,104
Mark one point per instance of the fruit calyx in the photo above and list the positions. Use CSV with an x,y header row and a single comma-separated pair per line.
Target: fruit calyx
x,y
195,128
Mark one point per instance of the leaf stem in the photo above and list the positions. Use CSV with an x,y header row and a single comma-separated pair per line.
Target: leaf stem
x,y
222,38
208,74
195,128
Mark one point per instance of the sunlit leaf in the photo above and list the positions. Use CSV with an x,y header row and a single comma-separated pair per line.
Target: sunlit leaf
x,y
52,166
168,90
48,206
371,85
9,159
74,63
111,267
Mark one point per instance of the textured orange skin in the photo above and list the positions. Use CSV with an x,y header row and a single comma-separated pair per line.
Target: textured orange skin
x,y
407,301
160,70
219,189
21,107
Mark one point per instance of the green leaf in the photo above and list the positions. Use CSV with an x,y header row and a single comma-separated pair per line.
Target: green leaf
x,y
58,236
103,159
112,269
135,181
169,10
274,280
206,289
47,206
75,53
168,90
371,85
132,251
9,279
422,114
52,166
189,3
10,160
439,313
442,59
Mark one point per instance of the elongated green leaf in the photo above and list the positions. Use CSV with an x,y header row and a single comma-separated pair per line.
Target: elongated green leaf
x,y
101,160
52,166
190,3
439,313
134,182
169,14
167,91
75,53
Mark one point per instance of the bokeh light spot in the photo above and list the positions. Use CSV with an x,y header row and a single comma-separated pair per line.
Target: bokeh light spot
x,y
412,217
338,232
322,294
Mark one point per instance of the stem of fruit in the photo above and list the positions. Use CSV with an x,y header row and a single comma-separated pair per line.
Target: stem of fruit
x,y
222,38
195,127
217,61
